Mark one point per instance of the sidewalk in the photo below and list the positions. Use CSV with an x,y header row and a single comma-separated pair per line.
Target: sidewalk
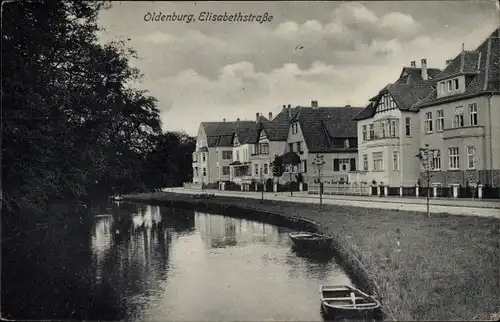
x,y
456,207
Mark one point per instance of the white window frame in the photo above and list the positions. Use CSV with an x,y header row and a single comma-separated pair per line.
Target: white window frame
x,y
428,122
473,114
458,117
382,127
364,132
266,168
372,132
471,157
456,84
365,162
237,155
228,170
436,160
346,143
395,160
440,120
227,155
344,164
449,85
408,126
453,158
203,157
392,128
295,129
378,161
204,171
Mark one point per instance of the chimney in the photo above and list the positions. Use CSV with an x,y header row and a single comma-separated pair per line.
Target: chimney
x,y
284,106
289,105
224,120
413,64
270,116
348,105
448,61
238,119
314,104
257,117
289,112
424,68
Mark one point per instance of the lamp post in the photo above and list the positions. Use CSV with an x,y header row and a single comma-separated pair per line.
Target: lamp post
x,y
426,155
318,163
262,183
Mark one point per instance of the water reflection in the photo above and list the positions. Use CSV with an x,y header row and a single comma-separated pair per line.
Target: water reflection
x,y
142,262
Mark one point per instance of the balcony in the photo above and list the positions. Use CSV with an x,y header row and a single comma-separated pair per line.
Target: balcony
x,y
381,140
463,132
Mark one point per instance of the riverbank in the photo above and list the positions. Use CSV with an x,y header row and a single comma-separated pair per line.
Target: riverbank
x,y
446,267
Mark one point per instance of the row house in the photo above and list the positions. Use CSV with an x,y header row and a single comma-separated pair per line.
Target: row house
x,y
329,131
389,132
254,150
214,150
458,118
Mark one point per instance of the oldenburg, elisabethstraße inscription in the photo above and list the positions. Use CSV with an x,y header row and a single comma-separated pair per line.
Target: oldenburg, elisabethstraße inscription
x,y
206,16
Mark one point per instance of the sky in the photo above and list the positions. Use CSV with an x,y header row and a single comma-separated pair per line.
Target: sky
x,y
337,53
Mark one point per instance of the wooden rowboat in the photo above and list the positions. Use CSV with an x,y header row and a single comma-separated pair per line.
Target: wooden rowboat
x,y
342,301
307,240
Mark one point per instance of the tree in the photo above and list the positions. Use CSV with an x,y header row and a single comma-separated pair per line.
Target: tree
x,y
73,126
278,167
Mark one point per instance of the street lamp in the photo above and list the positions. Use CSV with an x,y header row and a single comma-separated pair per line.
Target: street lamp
x,y
425,156
262,183
318,163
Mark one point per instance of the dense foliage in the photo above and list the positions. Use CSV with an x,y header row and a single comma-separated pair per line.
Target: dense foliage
x,y
73,126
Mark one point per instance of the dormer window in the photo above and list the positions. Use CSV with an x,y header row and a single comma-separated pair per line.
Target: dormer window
x,y
295,128
449,86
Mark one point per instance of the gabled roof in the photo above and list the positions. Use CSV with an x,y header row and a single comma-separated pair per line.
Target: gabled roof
x,y
221,133
481,66
321,126
408,89
277,128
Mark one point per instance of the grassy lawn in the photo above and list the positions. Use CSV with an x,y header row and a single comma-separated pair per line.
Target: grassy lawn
x,y
446,268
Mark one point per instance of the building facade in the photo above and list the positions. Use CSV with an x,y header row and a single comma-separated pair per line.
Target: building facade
x,y
329,131
389,130
460,118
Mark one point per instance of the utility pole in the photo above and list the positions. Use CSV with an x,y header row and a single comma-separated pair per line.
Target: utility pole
x,y
426,155
318,163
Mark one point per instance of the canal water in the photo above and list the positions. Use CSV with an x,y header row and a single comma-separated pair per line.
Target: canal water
x,y
141,262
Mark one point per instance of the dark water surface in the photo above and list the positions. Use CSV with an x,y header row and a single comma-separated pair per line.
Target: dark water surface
x,y
140,262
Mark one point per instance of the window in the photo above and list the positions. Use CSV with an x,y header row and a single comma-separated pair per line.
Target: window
x,y
341,164
295,128
266,168
395,160
346,143
407,126
428,122
203,157
372,132
473,114
196,174
392,128
256,168
204,172
458,120
436,160
290,147
443,87
449,85
237,155
304,166
378,161
454,158
439,120
227,155
471,157
382,126
263,148
365,133
365,162
225,170
455,84
299,146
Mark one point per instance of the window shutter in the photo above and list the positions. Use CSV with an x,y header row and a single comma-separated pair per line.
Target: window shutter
x,y
353,164
336,166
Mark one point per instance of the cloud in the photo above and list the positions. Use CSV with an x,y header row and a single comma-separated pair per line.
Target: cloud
x,y
335,52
